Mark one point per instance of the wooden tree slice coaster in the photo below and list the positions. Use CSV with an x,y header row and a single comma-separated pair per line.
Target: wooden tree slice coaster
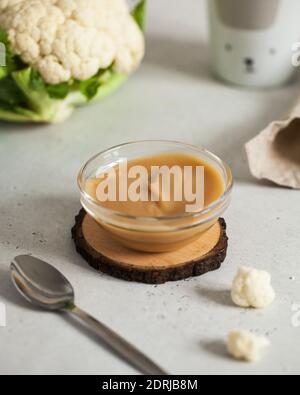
x,y
105,254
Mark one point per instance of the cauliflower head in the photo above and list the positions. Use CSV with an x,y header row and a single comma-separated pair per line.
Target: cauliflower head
x,y
71,42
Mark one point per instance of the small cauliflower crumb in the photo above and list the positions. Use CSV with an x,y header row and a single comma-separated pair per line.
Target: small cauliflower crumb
x,y
245,346
252,288
66,39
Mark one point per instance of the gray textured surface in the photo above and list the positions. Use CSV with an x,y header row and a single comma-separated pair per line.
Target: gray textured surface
x,y
181,325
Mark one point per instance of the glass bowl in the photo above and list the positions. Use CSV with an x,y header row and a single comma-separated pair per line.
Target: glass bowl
x,y
153,234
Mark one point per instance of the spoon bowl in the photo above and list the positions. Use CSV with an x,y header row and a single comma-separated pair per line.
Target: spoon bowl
x,y
41,284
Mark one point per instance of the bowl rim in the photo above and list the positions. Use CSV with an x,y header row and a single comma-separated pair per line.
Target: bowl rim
x,y
229,183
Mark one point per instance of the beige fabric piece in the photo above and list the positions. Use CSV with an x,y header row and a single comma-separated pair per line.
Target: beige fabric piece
x,y
275,153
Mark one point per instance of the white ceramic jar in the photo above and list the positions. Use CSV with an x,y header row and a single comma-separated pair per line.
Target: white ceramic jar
x,y
252,40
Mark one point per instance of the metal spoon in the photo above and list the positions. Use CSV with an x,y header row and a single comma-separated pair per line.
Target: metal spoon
x,y
45,287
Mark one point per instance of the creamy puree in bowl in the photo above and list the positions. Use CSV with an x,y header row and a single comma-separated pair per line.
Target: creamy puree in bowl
x,y
214,186
157,226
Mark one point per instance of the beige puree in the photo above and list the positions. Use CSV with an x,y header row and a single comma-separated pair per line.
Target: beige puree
x,y
166,236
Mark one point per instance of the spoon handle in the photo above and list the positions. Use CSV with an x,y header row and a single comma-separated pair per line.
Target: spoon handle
x,y
120,346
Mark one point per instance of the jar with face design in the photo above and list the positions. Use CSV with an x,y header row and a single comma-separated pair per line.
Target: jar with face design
x,y
252,40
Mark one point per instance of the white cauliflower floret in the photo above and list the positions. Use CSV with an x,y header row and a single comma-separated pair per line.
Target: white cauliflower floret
x,y
66,39
56,72
8,3
252,288
246,346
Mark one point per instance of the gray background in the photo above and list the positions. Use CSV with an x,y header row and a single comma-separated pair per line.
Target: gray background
x,y
181,325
